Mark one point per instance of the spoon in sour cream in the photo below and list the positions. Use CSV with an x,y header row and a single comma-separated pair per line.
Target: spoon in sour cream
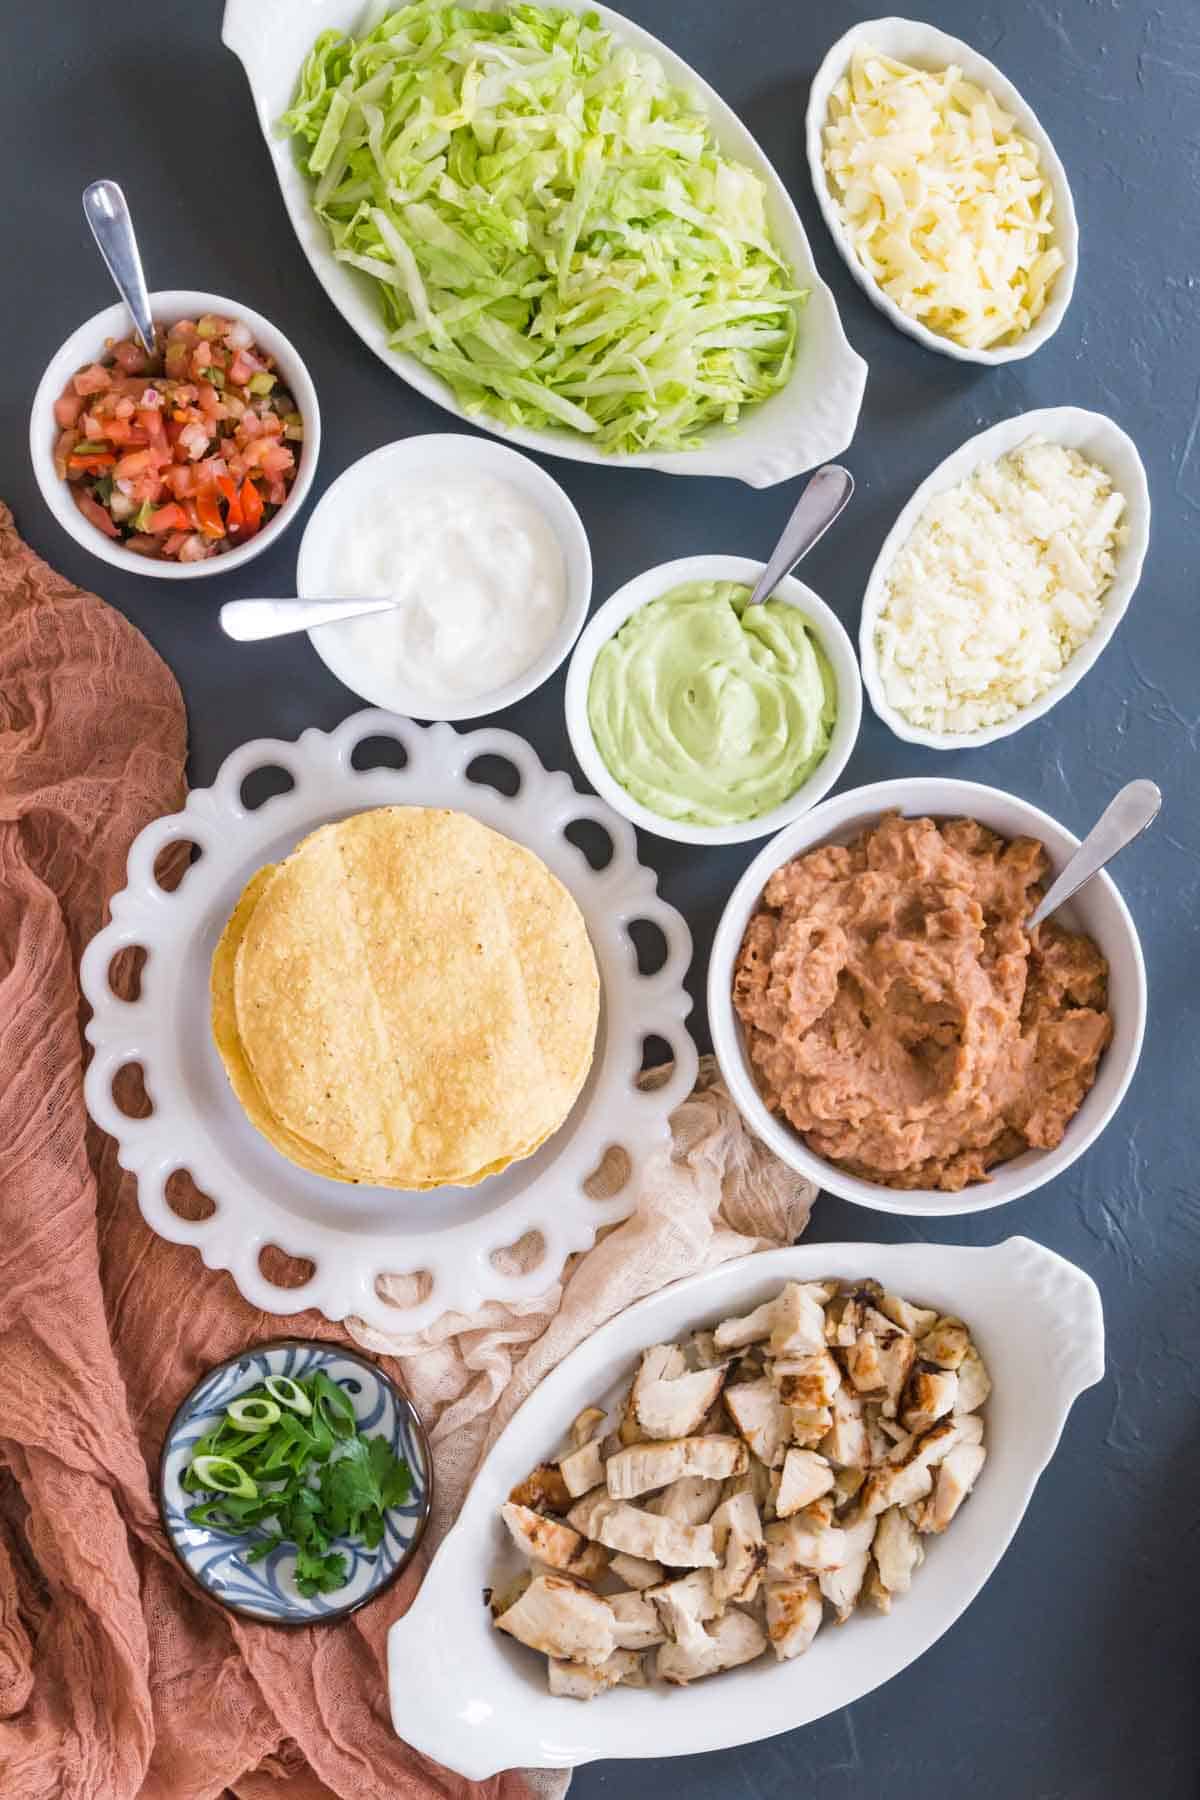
x,y
249,621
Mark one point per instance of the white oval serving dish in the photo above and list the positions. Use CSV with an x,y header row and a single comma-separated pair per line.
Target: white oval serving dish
x,y
422,458
808,422
925,47
1097,909
473,1699
360,1238
1102,441
85,345
608,620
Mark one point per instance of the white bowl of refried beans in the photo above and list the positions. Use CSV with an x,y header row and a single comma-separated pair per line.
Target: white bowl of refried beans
x,y
885,1023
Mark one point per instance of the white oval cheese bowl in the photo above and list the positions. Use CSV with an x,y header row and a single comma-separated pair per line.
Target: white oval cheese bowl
x,y
465,1694
912,41
1096,437
809,421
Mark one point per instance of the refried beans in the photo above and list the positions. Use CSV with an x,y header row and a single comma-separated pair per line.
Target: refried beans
x,y
900,1017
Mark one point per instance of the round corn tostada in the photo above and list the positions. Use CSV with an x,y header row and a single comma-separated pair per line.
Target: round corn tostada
x,y
408,1000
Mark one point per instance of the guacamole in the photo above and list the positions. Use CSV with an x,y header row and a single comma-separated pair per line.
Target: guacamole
x,y
709,711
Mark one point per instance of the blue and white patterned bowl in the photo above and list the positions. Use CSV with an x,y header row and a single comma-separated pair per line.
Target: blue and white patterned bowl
x,y
267,1590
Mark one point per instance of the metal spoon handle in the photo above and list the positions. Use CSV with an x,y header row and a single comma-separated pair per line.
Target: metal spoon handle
x,y
105,210
1124,818
250,620
818,506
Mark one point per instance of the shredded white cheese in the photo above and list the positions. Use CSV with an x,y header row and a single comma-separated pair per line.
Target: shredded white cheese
x,y
1000,582
943,199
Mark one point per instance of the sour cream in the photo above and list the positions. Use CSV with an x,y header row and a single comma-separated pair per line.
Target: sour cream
x,y
478,574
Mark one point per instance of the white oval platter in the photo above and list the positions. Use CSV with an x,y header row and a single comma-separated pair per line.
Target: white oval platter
x,y
356,1235
1102,441
463,1693
809,421
925,47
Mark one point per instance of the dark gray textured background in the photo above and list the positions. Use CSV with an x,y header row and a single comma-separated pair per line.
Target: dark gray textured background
x,y
1074,1675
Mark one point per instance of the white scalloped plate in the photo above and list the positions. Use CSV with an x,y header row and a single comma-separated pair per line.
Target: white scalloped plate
x,y
355,1235
810,421
473,1699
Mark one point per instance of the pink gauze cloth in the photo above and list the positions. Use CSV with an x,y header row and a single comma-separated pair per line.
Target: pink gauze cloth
x,y
117,1678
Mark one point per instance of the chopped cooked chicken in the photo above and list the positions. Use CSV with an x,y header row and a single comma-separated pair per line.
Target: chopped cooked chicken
x,y
794,1322
897,1551
667,1400
686,1602
755,1409
735,1334
841,1586
738,1540
809,1424
874,1590
974,1382
880,1358
946,1343
550,1542
702,1352
931,1393
543,1489
847,1484
691,1500
637,1623
587,1512
805,1544
846,1442
805,1476
807,1380
794,1614
583,1681
907,1476
758,1481
732,1639
916,1320
644,1534
644,1467
586,1425
635,1571
561,1618
499,1599
843,1316
582,1469
956,1476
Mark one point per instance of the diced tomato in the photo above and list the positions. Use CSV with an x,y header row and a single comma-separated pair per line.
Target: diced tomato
x,y
234,517
131,357
172,545
134,463
277,493
67,409
94,513
252,506
92,380
181,479
171,517
91,464
209,514
242,367
62,450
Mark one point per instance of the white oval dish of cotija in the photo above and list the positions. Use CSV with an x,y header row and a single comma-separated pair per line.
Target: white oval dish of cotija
x,y
1095,437
469,1696
924,47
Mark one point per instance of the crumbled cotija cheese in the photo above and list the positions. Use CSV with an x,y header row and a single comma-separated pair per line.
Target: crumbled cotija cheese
x,y
1000,582
943,198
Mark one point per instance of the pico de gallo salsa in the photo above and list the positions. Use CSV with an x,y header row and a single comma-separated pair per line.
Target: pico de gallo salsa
x,y
184,454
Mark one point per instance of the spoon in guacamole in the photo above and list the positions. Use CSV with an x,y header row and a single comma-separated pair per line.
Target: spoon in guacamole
x,y
825,496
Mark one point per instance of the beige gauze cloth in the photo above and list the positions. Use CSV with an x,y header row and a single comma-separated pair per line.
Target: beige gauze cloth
x,y
118,1681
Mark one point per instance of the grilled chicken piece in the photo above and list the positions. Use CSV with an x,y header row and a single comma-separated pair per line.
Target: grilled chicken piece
x,y
880,1358
847,1485
636,1621
805,1477
543,1489
583,1681
702,1352
499,1599
843,1316
644,1467
916,1320
582,1469
636,1572
897,1551
586,1513
686,1602
974,1382
765,1424
550,1542
586,1425
757,1481
643,1534
561,1618
956,1476
805,1544
730,1640
907,1474
946,1343
667,1400
873,1589
846,1442
691,1500
794,1614
841,1587
807,1380
930,1394
793,1322
738,1540
809,1424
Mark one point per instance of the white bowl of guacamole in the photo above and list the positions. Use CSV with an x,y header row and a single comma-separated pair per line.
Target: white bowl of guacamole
x,y
706,721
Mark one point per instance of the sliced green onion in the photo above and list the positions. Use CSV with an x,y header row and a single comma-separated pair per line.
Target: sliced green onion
x,y
289,1393
226,1476
262,382
253,1414
142,518
215,375
91,447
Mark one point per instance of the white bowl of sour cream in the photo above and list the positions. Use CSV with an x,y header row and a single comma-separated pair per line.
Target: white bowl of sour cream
x,y
488,561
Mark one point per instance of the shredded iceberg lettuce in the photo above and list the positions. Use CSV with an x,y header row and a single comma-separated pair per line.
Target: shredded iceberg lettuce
x,y
551,224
